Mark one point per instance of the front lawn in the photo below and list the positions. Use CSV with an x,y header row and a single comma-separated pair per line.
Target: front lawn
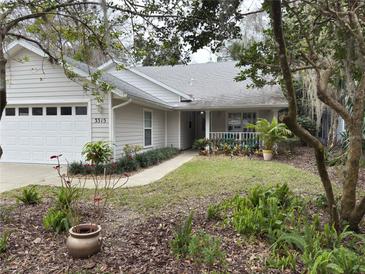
x,y
139,225
204,177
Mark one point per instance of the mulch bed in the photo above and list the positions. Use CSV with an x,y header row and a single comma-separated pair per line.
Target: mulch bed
x,y
303,158
133,243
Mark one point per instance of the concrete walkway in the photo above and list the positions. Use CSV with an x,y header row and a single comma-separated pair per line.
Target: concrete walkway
x,y
19,175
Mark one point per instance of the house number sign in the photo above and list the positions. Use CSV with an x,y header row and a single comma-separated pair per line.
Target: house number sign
x,y
100,120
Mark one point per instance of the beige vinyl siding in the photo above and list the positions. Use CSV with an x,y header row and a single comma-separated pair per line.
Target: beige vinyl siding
x,y
38,79
265,114
128,127
145,85
32,79
218,121
173,131
100,112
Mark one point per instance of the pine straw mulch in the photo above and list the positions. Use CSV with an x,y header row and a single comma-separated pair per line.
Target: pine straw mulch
x,y
303,158
133,243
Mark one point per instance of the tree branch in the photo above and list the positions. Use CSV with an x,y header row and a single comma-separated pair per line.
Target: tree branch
x,y
46,51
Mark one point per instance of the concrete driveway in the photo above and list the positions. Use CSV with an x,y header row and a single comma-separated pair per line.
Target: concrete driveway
x,y
13,175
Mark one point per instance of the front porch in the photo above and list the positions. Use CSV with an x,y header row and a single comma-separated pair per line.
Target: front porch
x,y
230,124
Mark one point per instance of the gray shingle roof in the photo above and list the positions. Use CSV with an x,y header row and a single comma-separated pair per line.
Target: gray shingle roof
x,y
213,85
118,83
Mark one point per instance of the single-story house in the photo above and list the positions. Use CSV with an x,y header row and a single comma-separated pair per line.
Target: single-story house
x,y
47,113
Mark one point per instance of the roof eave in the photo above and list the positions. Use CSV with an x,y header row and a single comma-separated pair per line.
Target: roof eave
x,y
202,107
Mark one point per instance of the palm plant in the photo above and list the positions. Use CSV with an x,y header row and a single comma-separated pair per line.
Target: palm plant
x,y
270,132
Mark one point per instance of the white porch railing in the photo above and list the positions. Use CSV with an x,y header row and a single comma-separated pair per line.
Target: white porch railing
x,y
244,137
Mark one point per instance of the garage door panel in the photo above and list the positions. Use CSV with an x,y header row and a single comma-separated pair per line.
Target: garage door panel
x,y
34,139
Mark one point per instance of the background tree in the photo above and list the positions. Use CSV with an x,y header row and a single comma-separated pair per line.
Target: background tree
x,y
326,39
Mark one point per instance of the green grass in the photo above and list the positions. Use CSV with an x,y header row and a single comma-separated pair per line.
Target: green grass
x,y
203,177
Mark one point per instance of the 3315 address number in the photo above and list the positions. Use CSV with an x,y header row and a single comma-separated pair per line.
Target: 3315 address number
x,y
100,120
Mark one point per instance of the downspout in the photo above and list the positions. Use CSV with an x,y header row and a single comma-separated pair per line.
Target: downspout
x,y
112,122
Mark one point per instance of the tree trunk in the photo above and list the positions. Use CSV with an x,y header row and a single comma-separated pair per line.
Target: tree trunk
x,y
332,137
349,211
291,118
2,82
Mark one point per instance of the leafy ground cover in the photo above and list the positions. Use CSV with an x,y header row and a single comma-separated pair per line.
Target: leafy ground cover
x,y
141,223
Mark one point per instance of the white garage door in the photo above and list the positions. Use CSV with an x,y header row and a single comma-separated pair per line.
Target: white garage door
x,y
31,134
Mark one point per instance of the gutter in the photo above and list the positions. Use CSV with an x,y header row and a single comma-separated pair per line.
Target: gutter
x,y
112,121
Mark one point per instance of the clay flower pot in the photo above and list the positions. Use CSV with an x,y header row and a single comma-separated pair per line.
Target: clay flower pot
x,y
267,154
84,240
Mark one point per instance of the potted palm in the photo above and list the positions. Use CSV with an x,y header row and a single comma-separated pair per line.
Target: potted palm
x,y
270,134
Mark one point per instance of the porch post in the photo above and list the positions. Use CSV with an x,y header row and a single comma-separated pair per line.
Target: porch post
x,y
207,124
276,114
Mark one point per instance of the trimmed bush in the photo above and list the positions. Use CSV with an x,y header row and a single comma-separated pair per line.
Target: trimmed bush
x,y
126,163
77,168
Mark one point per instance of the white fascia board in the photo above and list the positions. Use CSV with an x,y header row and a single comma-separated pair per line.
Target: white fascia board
x,y
148,103
17,45
268,106
160,84
106,65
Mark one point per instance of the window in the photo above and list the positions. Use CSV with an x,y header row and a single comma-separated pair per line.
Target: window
x,y
37,111
248,118
10,111
51,111
234,121
237,121
23,111
66,110
81,110
147,128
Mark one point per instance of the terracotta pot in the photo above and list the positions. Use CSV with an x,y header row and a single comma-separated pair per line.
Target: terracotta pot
x,y
267,154
84,240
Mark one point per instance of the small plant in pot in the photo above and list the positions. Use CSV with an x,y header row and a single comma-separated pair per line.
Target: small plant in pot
x,y
85,239
270,134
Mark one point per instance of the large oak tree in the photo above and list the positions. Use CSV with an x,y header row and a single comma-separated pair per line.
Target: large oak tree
x,y
324,39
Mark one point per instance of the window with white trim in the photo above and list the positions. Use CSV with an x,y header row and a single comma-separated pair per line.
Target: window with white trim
x,y
147,128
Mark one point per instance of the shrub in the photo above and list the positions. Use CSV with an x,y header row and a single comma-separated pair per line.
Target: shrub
x,y
308,124
97,152
264,211
66,197
214,212
126,164
57,220
29,196
182,237
204,248
201,144
155,156
76,168
131,150
4,239
270,132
